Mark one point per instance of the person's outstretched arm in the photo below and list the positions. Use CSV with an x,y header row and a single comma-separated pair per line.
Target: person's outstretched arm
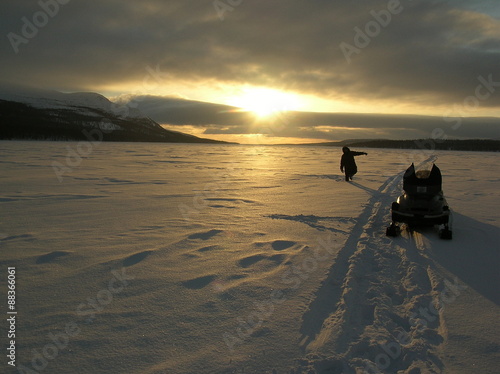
x,y
358,153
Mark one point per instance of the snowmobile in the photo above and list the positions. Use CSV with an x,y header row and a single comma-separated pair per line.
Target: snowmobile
x,y
422,203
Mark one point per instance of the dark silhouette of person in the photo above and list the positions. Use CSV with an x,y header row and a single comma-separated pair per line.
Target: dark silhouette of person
x,y
347,163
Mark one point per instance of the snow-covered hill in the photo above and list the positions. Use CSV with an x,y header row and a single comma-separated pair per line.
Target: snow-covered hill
x,y
50,99
44,114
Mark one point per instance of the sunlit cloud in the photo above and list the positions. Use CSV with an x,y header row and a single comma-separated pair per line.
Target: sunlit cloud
x,y
426,60
265,102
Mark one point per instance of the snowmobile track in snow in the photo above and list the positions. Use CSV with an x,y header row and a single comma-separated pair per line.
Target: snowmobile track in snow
x,y
371,313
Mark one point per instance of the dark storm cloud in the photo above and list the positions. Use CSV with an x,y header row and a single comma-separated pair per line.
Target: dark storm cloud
x,y
223,119
428,53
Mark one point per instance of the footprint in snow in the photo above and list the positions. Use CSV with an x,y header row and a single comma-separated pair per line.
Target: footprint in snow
x,y
136,258
204,235
267,261
281,245
209,248
51,257
249,261
198,283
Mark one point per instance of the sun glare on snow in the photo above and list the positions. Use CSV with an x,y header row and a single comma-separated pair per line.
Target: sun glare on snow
x,y
265,102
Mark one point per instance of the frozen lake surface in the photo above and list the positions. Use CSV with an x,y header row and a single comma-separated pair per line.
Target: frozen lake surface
x,y
192,258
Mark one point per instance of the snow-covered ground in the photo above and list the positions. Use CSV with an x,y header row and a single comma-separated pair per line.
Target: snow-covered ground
x,y
173,258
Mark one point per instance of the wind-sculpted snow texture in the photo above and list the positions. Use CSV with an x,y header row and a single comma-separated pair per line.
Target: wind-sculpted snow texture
x,y
182,259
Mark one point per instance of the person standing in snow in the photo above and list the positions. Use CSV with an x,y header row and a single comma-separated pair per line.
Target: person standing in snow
x,y
347,163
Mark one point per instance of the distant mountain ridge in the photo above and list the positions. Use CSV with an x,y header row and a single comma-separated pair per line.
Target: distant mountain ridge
x,y
482,145
52,115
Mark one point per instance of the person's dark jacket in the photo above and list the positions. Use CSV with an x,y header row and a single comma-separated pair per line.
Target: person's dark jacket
x,y
347,162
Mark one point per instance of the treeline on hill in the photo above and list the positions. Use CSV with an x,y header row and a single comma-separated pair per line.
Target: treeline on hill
x,y
486,145
22,121
481,145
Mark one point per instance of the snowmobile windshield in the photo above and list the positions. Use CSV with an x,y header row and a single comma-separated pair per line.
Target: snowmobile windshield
x,y
426,182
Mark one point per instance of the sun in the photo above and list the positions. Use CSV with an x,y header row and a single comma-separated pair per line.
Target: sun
x,y
265,102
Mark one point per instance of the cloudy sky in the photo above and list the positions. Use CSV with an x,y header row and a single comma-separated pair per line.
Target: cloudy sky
x,y
383,68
